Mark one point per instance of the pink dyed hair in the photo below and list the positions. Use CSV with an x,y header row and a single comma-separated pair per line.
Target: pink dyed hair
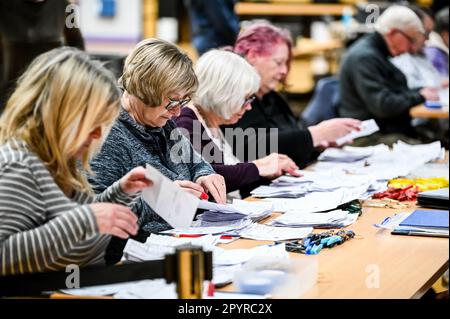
x,y
260,38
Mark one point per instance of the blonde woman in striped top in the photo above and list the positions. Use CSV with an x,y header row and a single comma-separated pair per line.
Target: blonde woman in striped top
x,y
63,104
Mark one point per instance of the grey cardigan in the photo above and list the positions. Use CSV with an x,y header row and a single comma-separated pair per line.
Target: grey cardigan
x,y
130,145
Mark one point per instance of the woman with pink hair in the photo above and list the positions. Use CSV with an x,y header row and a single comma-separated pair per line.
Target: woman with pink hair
x,y
269,50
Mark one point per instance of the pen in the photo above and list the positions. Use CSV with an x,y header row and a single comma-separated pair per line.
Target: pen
x,y
201,235
204,196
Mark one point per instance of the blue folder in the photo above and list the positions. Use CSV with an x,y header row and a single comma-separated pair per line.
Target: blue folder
x,y
427,219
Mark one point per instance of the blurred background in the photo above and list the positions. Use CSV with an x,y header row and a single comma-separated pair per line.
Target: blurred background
x,y
322,29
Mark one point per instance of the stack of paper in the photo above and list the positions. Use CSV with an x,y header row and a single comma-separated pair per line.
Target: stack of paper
x,y
279,191
318,201
157,247
351,154
239,209
295,187
333,219
201,227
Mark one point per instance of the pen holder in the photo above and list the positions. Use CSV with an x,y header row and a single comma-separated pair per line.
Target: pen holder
x,y
283,278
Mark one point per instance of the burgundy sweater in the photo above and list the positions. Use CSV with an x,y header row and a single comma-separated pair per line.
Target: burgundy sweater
x,y
236,176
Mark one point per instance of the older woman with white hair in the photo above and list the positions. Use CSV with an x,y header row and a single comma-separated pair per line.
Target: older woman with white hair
x,y
227,87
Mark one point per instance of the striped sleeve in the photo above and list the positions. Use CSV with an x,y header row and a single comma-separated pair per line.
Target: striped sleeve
x,y
114,194
28,242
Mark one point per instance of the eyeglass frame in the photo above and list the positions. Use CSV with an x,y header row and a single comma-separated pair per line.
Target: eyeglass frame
x,y
175,103
249,100
411,40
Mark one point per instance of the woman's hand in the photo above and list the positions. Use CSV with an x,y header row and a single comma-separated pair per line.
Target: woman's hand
x,y
134,181
190,187
215,185
327,132
276,165
114,219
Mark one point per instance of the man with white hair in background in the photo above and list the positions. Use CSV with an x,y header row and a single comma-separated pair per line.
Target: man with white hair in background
x,y
372,87
416,67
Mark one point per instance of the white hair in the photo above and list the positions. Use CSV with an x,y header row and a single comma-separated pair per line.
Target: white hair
x,y
225,81
399,17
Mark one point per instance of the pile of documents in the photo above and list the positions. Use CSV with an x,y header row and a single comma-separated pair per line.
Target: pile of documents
x,y
333,219
158,246
349,154
318,201
379,162
239,209
202,227
310,182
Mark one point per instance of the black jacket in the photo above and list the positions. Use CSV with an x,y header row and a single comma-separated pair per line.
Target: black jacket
x,y
273,112
372,87
29,28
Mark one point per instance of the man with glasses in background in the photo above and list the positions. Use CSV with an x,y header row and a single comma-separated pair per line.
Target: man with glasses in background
x,y
372,87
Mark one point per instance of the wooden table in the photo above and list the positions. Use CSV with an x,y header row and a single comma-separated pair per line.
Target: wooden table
x,y
421,111
407,266
290,9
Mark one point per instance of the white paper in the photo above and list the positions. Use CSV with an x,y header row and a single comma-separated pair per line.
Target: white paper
x,y
169,201
228,257
367,128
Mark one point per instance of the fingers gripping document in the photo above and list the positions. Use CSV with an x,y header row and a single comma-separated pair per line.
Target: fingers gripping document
x,y
367,128
169,201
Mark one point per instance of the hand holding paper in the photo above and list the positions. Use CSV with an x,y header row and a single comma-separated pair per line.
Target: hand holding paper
x,y
169,201
367,128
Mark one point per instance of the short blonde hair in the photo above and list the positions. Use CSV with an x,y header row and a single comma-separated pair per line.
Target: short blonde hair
x,y
399,17
59,100
156,68
225,80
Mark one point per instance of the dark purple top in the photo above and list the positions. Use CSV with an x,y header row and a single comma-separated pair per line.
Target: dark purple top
x,y
236,176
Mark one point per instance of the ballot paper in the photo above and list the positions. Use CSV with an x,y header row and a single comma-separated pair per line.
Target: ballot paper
x,y
169,201
367,128
401,161
265,232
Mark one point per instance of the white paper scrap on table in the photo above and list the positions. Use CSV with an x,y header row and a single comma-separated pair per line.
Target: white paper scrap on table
x,y
367,128
264,232
169,201
228,257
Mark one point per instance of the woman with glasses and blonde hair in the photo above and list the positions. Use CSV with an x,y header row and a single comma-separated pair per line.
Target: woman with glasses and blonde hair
x,y
227,87
62,106
158,80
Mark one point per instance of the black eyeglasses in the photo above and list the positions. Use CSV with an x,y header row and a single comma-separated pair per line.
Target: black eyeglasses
x,y
408,37
175,103
249,100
